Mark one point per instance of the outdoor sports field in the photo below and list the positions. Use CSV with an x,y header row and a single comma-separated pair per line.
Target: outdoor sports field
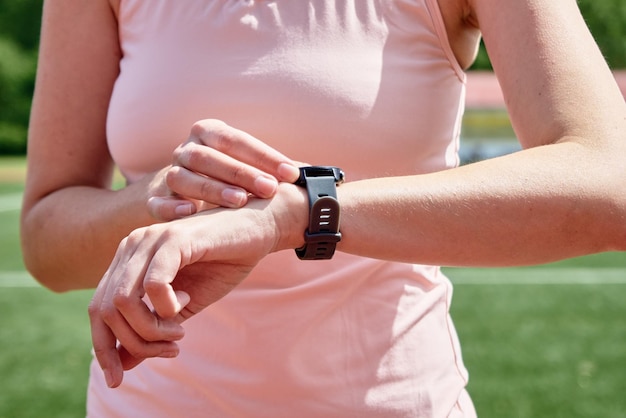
x,y
545,341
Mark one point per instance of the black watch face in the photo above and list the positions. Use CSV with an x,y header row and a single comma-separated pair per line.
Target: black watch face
x,y
321,171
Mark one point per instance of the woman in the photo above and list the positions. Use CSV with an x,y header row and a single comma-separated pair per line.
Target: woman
x,y
373,87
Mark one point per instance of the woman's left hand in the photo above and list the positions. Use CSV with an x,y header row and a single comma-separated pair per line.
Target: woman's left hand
x,y
219,165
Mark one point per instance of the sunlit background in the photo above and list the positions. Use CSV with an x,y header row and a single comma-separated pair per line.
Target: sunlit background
x,y
547,341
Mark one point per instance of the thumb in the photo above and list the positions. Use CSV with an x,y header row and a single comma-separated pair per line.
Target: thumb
x,y
170,208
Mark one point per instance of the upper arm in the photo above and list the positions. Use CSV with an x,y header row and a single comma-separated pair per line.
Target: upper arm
x,y
554,79
78,64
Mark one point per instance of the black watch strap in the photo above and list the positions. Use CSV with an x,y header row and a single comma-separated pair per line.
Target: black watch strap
x,y
322,234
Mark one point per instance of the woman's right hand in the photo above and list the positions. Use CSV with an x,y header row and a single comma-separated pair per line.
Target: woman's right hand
x,y
182,267
218,165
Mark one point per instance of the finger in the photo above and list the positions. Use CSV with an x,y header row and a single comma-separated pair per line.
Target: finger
x,y
170,207
119,312
185,182
144,336
161,271
134,324
138,325
203,162
245,148
183,299
288,172
103,339
129,361
110,356
104,346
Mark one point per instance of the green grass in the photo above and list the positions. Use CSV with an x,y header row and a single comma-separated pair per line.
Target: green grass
x,y
543,350
11,254
45,353
554,350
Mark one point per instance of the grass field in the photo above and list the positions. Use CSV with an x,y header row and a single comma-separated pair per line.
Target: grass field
x,y
546,341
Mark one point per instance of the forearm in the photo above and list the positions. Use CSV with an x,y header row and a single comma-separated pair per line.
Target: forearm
x,y
531,207
70,236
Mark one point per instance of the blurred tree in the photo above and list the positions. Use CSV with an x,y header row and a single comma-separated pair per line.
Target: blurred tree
x,y
20,21
17,75
606,20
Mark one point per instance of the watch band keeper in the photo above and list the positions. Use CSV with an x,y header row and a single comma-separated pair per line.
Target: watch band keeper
x,y
317,246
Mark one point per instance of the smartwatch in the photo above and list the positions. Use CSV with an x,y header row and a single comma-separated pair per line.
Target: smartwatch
x,y
322,235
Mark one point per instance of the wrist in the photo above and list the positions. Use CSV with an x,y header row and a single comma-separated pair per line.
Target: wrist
x,y
290,211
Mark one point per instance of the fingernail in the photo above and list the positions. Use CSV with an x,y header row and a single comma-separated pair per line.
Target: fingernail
x,y
185,209
169,354
236,197
108,377
288,172
266,186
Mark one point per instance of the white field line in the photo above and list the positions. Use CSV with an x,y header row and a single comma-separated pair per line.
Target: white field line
x,y
460,277
10,202
537,276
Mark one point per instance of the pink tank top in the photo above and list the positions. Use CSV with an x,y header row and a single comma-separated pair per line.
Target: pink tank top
x,y
368,85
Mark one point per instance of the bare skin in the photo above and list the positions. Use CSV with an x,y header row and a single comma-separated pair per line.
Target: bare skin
x,y
562,196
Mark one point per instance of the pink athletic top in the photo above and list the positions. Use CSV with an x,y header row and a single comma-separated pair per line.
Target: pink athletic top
x,y
368,85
